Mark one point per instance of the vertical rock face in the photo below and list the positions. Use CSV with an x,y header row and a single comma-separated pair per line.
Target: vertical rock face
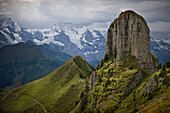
x,y
93,79
129,35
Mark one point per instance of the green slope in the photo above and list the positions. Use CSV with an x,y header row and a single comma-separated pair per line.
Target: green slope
x,y
57,92
24,62
21,63
152,95
127,88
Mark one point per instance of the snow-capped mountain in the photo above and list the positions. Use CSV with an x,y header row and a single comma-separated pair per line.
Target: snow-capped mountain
x,y
72,39
11,32
161,48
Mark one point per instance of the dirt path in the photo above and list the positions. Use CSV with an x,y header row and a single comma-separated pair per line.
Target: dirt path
x,y
38,103
31,104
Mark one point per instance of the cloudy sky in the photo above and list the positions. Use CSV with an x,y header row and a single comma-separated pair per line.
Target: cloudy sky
x,y
99,13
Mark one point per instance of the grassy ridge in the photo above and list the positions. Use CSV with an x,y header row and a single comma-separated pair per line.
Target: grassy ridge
x,y
53,91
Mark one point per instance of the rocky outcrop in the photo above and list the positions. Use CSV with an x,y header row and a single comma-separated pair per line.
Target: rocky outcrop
x,y
93,79
129,34
157,80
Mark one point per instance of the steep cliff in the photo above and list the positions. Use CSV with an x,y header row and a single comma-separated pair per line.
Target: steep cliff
x,y
129,35
123,81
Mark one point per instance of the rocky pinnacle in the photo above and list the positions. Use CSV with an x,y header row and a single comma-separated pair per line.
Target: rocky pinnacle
x,y
129,34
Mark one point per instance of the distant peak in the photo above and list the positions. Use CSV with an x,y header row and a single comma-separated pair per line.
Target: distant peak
x,y
29,42
6,20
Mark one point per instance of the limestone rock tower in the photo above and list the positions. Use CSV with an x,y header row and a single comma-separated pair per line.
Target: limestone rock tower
x,y
129,34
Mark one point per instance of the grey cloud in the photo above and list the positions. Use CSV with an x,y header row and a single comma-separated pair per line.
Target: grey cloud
x,y
42,13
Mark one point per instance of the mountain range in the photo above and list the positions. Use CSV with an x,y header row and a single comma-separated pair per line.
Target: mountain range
x,y
161,48
71,39
128,79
